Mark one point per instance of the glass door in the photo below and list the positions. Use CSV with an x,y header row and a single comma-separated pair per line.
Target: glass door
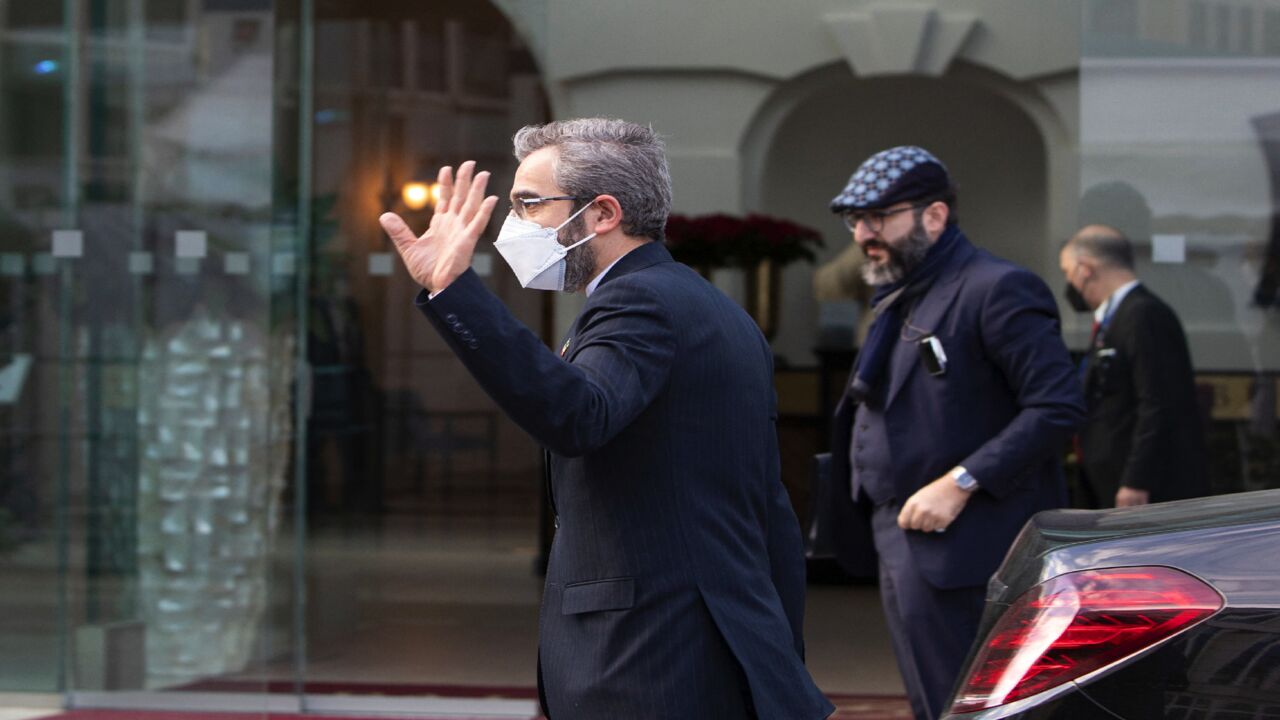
x,y
152,211
239,471
423,499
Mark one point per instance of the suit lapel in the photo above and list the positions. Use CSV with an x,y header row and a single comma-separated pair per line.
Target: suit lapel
x,y
646,255
922,321
1120,319
570,342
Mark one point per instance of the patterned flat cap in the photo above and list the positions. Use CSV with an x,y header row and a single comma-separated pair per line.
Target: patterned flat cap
x,y
892,176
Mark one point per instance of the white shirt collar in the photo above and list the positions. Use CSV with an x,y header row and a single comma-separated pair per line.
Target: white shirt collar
x,y
1102,311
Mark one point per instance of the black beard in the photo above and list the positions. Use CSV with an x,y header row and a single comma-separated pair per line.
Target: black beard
x,y
902,259
580,262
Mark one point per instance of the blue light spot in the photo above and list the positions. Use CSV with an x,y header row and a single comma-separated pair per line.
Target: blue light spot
x,y
46,67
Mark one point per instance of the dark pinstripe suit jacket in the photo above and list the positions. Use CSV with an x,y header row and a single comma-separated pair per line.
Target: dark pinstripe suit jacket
x,y
675,587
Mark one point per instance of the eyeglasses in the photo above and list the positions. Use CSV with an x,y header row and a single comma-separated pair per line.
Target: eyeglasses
x,y
874,219
520,206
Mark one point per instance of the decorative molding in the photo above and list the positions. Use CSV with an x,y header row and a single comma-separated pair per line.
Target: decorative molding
x,y
900,39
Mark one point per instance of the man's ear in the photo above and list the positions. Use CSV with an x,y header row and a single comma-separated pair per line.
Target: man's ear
x,y
935,217
607,212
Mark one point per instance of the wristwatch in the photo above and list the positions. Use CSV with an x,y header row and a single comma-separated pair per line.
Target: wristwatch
x,y
964,480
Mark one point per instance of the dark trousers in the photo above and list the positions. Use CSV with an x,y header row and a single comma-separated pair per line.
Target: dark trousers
x,y
932,629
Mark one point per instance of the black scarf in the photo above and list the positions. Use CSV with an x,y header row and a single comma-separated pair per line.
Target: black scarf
x,y
888,303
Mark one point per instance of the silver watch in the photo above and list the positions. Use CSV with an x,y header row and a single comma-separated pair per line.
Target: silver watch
x,y
964,480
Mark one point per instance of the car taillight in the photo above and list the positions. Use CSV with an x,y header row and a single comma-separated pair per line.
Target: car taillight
x,y
1077,623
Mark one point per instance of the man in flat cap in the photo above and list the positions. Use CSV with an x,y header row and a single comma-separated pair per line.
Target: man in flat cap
x,y
950,432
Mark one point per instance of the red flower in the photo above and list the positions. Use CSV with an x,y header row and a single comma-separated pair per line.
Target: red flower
x,y
721,240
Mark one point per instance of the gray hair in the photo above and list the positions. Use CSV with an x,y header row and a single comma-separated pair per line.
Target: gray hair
x,y
603,156
1105,244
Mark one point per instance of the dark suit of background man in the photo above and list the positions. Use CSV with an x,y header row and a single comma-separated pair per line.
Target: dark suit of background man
x,y
949,435
675,584
1143,441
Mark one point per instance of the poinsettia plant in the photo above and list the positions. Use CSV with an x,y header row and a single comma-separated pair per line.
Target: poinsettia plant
x,y
720,240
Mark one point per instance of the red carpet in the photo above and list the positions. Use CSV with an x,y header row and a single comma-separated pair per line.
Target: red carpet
x,y
360,688
152,715
848,707
866,707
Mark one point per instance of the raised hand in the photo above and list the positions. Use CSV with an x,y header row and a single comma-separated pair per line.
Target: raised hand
x,y
444,251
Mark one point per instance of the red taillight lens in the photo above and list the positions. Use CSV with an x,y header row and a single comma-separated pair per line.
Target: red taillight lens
x,y
1076,623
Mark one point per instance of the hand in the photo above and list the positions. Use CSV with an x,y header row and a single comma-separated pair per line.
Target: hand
x,y
933,507
444,251
1131,497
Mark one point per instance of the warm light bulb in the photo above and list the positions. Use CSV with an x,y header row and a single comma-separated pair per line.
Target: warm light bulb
x,y
416,195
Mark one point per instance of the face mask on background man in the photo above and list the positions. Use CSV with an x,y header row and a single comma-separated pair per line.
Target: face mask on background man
x,y
534,252
1075,299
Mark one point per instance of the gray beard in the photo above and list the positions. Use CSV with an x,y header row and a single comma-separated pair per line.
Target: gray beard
x,y
580,262
902,260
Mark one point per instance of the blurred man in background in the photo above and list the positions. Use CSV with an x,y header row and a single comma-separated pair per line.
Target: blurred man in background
x,y
1143,440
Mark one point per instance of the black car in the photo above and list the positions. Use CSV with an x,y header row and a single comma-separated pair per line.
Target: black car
x,y
1164,611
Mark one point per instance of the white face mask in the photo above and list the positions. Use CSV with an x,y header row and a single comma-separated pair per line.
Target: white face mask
x,y
534,253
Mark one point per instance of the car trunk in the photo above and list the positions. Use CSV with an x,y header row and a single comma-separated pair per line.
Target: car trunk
x,y
1053,530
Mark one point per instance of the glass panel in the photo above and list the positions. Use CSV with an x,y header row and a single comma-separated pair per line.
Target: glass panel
x,y
33,69
149,260
1180,149
423,500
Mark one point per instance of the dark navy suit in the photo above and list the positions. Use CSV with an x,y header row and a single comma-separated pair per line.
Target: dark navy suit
x,y
1144,429
1004,407
675,586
